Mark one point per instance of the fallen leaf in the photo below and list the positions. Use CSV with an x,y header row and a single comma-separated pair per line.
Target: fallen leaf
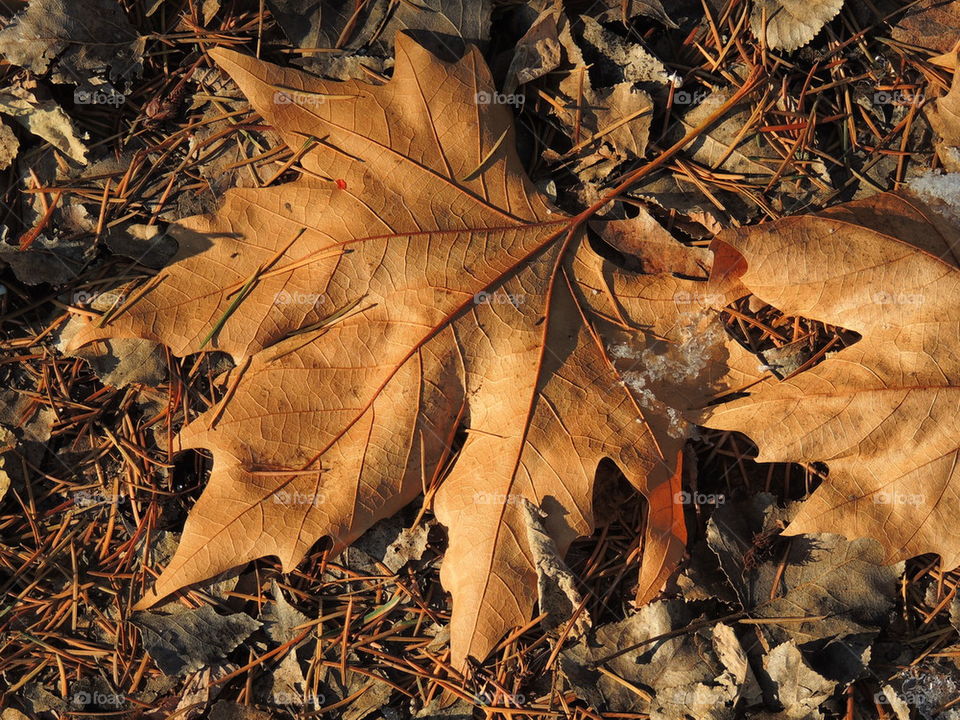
x,y
633,8
369,322
280,619
45,119
557,593
536,53
73,39
672,677
841,587
620,59
799,689
880,413
190,639
933,24
119,362
789,24
9,146
605,125
226,710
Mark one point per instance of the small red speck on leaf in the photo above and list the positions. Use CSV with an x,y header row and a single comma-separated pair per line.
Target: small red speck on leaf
x,y
342,184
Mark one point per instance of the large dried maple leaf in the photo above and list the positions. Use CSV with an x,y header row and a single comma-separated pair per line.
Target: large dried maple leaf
x,y
884,413
412,282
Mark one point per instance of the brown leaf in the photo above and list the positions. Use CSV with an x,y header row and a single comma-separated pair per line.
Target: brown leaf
x,y
881,413
933,24
426,284
789,24
944,117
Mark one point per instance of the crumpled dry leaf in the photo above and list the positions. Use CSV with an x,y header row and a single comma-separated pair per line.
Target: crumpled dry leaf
x,y
536,53
118,362
285,683
45,119
9,146
557,593
788,24
619,115
799,689
74,39
880,413
842,587
454,293
280,619
606,126
226,710
187,640
620,59
201,688
672,678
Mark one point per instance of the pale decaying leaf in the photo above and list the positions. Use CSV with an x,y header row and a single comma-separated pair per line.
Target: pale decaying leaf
x,y
557,594
702,674
627,61
190,639
833,593
45,119
9,146
605,125
788,24
73,39
618,116
882,413
799,689
536,53
421,288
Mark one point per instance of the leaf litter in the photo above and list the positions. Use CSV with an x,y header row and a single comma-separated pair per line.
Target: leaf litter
x,y
390,612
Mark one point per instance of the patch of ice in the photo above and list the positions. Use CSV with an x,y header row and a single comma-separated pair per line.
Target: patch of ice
x,y
941,190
